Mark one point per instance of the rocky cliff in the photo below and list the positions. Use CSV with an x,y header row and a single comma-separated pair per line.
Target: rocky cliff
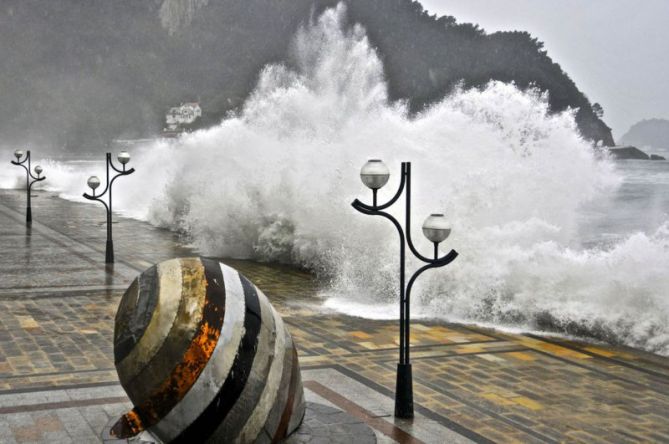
x,y
76,74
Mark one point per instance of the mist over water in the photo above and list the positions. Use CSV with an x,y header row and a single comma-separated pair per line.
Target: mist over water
x,y
275,182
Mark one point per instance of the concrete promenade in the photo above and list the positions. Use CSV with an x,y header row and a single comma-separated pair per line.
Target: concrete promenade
x,y
58,383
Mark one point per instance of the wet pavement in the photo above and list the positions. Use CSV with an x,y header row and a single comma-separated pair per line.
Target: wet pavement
x,y
58,383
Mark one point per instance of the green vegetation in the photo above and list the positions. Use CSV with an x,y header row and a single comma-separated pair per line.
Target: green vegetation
x,y
77,74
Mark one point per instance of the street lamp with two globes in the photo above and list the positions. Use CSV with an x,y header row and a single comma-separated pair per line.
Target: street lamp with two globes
x,y
374,174
29,175
94,183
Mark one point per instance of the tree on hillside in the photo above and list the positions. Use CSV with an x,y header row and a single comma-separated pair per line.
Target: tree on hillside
x,y
76,74
598,110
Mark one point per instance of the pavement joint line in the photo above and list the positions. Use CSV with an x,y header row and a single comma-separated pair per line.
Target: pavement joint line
x,y
50,388
79,254
490,413
43,229
448,423
601,372
54,292
664,379
318,335
440,348
390,430
67,372
39,226
587,367
22,268
63,404
456,355
426,346
381,405
12,400
393,360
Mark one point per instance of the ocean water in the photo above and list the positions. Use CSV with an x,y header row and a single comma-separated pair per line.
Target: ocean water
x,y
639,204
551,236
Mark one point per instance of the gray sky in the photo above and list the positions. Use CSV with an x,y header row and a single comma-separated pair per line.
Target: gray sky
x,y
617,51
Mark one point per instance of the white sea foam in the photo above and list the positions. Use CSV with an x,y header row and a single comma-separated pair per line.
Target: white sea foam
x,y
275,182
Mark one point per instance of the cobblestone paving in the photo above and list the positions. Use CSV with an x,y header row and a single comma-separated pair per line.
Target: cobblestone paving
x,y
58,383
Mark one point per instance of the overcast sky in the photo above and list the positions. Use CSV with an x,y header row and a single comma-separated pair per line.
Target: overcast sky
x,y
617,51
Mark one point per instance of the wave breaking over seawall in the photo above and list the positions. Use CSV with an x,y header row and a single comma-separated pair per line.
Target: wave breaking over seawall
x,y
275,181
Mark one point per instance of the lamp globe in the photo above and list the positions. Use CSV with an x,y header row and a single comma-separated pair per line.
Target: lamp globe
x,y
123,157
374,174
93,182
435,228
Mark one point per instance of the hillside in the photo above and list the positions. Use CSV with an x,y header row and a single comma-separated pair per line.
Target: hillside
x,y
77,74
651,132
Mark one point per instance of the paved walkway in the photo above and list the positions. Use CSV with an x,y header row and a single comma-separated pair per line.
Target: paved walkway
x,y
58,383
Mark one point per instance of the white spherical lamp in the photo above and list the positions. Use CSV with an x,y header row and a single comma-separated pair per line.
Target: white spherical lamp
x,y
93,182
374,174
435,228
123,157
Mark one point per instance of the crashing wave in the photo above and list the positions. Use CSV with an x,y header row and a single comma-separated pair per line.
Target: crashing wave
x,y
275,182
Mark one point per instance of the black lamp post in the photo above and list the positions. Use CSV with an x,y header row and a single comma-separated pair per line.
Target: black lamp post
x,y
375,174
29,175
94,182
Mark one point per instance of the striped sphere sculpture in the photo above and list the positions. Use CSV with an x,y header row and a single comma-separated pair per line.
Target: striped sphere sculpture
x,y
204,357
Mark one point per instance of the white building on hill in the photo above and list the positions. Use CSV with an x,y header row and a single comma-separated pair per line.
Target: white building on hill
x,y
184,114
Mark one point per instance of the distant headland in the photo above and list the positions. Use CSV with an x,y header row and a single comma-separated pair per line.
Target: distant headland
x,y
648,133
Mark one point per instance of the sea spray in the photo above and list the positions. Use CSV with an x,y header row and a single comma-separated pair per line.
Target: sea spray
x,y
274,182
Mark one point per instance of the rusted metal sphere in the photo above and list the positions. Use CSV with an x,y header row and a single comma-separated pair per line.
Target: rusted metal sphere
x,y
204,357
